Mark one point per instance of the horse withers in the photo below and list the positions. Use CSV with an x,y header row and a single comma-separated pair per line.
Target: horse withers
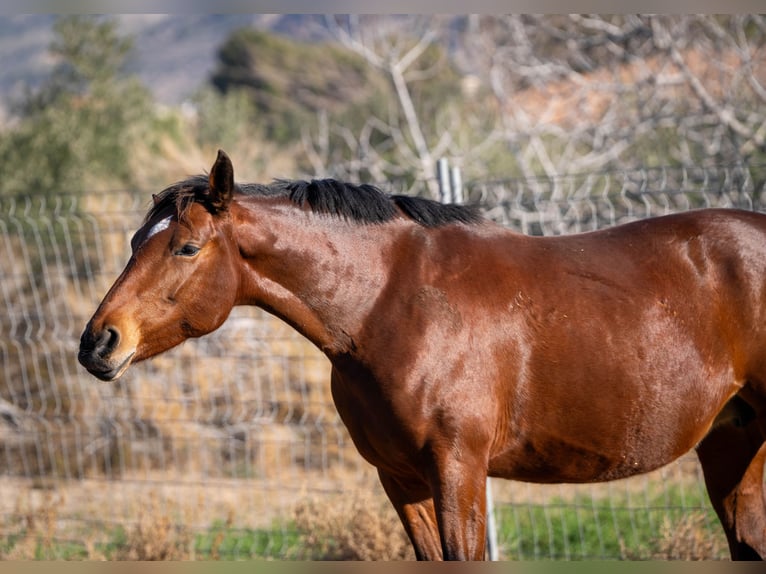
x,y
462,350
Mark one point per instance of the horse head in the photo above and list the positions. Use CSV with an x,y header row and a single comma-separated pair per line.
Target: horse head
x,y
181,280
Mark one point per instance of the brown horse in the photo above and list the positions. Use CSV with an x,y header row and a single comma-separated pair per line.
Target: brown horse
x,y
460,349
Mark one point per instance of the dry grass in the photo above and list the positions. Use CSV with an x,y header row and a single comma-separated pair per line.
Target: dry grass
x,y
360,526
688,539
45,525
158,535
37,525
165,523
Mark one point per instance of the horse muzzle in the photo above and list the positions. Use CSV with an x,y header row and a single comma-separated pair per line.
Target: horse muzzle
x,y
99,353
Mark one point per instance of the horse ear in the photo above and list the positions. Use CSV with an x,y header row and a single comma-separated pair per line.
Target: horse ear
x,y
221,183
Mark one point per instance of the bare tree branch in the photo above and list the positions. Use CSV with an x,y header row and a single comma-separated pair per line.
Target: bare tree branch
x,y
562,94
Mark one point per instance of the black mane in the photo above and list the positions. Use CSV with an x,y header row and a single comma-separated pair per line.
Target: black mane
x,y
361,203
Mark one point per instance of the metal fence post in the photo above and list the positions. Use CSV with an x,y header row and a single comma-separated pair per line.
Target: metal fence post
x,y
442,175
456,182
492,551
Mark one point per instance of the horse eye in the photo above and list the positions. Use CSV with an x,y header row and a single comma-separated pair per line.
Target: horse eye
x,y
188,250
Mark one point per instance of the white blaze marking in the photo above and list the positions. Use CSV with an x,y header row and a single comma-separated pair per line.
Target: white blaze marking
x,y
159,226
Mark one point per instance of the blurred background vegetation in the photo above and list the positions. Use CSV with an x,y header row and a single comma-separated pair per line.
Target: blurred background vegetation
x,y
383,98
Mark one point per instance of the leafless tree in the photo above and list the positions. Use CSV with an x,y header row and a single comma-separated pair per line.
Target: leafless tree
x,y
411,144
588,92
558,94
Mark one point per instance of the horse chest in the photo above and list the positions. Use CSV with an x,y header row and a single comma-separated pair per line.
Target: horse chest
x,y
382,430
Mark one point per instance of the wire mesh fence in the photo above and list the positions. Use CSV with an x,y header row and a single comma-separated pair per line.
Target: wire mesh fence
x,y
222,446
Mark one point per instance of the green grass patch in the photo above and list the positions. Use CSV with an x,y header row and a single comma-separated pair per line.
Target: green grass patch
x,y
220,542
227,543
671,524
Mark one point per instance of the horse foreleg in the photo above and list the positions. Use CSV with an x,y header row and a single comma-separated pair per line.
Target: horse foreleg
x,y
415,507
461,506
732,457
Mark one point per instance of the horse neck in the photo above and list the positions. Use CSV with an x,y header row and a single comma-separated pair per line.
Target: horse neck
x,y
318,273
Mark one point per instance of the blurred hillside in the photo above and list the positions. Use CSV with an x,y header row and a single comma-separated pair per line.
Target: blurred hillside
x,y
173,56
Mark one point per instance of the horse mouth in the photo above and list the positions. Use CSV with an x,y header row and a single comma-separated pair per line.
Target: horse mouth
x,y
103,371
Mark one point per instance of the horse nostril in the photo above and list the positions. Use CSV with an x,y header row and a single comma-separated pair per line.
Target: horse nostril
x,y
107,341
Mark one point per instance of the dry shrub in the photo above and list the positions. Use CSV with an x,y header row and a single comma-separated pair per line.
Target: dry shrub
x,y
26,525
23,549
35,524
689,539
157,535
355,527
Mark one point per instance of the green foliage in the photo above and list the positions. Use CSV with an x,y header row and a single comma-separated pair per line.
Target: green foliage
x,y
289,82
79,126
224,120
90,54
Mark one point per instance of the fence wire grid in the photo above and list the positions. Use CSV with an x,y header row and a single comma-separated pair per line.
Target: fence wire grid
x,y
223,439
